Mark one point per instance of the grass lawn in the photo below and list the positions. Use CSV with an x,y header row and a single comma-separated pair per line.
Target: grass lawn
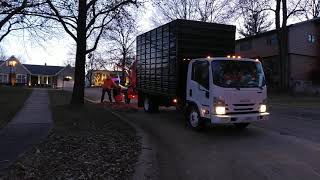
x,y
86,142
290,100
11,101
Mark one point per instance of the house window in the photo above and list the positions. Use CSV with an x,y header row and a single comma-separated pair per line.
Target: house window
x,y
21,78
272,40
311,38
4,78
244,46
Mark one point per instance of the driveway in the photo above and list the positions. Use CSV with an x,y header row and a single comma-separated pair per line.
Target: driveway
x,y
285,147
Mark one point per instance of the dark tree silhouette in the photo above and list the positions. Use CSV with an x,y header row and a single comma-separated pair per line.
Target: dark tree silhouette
x,y
201,10
123,37
85,21
256,20
13,16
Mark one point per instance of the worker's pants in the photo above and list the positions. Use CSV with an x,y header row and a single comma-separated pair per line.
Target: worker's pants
x,y
104,92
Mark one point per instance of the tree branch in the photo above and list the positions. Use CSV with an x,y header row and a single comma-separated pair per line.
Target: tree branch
x,y
60,19
11,14
99,36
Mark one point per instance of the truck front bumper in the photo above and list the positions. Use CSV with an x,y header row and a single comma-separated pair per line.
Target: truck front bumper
x,y
239,118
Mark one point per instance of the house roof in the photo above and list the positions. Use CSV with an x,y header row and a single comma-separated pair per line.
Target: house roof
x,y
315,20
1,61
43,69
258,35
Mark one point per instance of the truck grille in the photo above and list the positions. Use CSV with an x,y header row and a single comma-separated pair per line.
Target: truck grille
x,y
248,112
243,104
242,108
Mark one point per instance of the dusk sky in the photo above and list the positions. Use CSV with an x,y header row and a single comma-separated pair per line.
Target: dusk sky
x,y
57,51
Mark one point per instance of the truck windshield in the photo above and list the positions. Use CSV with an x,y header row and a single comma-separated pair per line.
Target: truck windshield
x,y
237,74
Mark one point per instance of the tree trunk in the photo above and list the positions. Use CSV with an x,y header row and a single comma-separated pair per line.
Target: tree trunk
x,y
278,29
90,78
282,36
79,76
123,64
285,60
284,47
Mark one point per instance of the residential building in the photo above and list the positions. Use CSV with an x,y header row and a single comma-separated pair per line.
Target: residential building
x,y
13,72
303,51
96,77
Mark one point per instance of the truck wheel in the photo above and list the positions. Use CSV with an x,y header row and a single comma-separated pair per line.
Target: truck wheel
x,y
241,125
148,105
194,119
155,106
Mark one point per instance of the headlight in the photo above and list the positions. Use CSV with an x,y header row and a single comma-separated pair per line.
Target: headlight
x,y
263,108
220,110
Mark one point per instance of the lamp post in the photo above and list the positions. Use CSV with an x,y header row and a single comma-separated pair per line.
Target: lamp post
x,y
12,64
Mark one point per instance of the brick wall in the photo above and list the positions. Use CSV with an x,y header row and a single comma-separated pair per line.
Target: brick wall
x,y
302,66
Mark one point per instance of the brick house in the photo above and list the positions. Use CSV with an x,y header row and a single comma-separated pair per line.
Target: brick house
x,y
303,54
15,73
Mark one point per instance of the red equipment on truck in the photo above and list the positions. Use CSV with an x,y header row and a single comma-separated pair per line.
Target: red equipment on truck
x,y
131,92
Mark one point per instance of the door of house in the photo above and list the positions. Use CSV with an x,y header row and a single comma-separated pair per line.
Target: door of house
x,y
13,79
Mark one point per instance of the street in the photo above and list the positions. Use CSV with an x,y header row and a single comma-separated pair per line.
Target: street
x,y
285,147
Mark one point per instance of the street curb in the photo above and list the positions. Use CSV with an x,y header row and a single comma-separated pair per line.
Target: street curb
x,y
146,167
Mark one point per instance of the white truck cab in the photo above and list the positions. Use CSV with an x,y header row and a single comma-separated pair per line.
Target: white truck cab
x,y
226,90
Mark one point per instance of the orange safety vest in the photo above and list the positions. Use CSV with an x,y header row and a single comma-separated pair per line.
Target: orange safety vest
x,y
108,84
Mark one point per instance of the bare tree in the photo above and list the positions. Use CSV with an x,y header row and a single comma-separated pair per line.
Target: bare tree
x,y
2,54
311,8
84,21
256,20
176,9
202,10
13,16
123,38
69,62
215,10
283,11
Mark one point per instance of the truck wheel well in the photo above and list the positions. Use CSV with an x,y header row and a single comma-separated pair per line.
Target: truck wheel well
x,y
191,105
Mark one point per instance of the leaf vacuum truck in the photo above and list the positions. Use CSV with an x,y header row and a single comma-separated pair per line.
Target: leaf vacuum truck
x,y
192,65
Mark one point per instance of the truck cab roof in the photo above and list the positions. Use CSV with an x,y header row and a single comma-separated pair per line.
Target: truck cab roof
x,y
226,59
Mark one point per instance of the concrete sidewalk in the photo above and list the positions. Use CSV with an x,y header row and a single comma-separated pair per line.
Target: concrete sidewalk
x,y
29,127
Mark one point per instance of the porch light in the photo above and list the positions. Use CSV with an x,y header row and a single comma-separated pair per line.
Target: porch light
x,y
69,77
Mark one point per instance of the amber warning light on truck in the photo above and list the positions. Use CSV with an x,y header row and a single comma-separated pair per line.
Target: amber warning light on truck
x,y
234,57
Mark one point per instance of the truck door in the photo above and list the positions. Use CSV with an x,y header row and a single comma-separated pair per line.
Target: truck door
x,y
198,86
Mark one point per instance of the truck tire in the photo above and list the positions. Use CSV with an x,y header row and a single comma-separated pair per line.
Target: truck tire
x,y
194,119
241,126
150,105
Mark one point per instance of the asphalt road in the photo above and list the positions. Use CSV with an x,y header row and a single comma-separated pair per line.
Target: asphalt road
x,y
285,147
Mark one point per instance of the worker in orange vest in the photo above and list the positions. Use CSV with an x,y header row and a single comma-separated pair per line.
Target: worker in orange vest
x,y
107,86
